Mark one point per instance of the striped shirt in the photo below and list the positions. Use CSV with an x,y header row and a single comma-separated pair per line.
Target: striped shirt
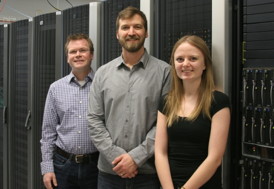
x,y
64,122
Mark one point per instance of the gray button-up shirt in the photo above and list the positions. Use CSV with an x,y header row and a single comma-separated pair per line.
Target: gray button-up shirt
x,y
122,110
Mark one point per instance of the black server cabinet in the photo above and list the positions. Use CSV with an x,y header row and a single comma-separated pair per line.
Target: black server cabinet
x,y
1,100
17,106
257,94
5,104
43,74
112,48
75,20
177,18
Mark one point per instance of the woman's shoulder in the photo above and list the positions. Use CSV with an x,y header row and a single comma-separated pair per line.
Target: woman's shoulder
x,y
220,100
218,95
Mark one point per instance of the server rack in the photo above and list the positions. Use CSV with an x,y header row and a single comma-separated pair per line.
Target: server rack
x,y
27,73
257,94
178,18
43,74
17,106
1,98
5,105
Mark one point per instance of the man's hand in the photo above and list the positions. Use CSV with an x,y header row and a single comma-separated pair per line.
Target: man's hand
x,y
49,180
125,166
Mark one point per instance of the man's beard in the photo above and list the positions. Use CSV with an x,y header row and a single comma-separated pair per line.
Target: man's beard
x,y
132,47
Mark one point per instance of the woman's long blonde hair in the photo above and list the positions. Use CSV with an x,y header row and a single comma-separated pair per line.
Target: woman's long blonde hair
x,y
175,96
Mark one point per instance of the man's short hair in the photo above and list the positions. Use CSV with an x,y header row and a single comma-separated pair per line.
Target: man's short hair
x,y
78,36
129,12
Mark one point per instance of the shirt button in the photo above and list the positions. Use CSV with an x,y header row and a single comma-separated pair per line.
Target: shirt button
x,y
79,132
126,120
80,101
79,147
80,116
125,136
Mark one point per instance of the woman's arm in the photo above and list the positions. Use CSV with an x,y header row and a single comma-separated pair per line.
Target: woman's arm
x,y
216,148
161,158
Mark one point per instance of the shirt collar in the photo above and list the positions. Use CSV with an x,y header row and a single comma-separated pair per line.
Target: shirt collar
x,y
90,76
143,61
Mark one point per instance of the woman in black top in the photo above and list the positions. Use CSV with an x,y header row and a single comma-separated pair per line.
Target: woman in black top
x,y
193,121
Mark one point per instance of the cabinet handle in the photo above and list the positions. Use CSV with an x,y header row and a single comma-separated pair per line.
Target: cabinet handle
x,y
27,126
4,115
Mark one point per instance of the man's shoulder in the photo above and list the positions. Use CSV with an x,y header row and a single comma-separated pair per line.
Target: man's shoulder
x,y
158,61
108,66
60,82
